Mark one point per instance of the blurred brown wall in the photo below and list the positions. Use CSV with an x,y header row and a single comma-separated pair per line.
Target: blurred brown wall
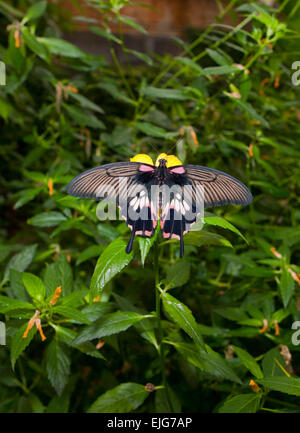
x,y
162,17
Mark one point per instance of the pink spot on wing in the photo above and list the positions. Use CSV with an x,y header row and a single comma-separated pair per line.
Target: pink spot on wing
x,y
177,170
146,168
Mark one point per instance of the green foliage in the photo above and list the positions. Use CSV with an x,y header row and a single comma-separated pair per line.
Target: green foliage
x,y
82,333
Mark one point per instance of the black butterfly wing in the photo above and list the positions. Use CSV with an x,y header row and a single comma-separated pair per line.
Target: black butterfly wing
x,y
197,188
126,183
219,188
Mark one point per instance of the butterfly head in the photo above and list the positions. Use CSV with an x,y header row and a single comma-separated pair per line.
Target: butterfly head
x,y
167,160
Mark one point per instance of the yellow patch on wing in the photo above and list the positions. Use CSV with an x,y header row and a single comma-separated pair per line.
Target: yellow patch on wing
x,y
142,157
172,160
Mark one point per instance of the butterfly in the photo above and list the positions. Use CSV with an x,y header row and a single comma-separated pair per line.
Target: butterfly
x,y
168,191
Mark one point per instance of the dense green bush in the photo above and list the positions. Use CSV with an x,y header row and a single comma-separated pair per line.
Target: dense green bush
x,y
223,342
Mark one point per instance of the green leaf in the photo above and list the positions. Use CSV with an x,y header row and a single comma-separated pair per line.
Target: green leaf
x,y
62,48
35,46
85,102
108,325
217,57
133,24
151,130
178,274
210,361
288,385
183,317
105,34
110,263
157,92
59,274
9,304
221,222
47,219
145,327
84,118
249,362
270,363
190,63
19,344
67,336
20,261
243,403
57,365
245,106
287,286
122,399
145,245
34,286
35,11
92,251
203,238
141,56
71,313
220,70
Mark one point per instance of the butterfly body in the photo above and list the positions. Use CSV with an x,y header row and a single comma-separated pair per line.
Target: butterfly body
x,y
168,191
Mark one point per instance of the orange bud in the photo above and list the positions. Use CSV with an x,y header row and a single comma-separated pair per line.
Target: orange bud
x,y
276,254
276,326
38,325
295,276
254,386
194,137
265,81
72,89
265,326
35,320
50,187
17,38
29,326
100,344
55,296
277,81
181,131
96,299
250,150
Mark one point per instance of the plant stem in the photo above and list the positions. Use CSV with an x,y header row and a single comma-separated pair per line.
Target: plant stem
x,y
160,332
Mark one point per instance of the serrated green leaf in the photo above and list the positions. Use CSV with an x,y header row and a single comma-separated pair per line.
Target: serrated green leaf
x,y
243,403
9,304
221,222
19,344
62,48
71,313
287,286
20,261
249,362
34,286
183,317
287,385
58,365
110,263
122,399
47,219
178,274
35,11
108,325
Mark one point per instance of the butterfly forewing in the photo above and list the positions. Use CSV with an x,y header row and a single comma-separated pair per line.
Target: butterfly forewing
x,y
219,188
